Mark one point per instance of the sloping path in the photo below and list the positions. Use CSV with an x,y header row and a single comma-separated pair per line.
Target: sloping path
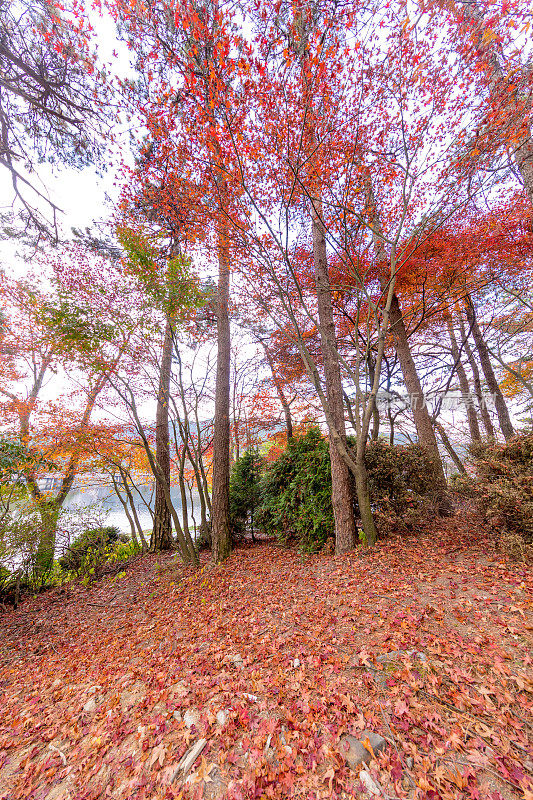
x,y
105,688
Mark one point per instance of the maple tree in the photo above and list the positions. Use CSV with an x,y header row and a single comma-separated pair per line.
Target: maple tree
x,y
486,38
190,43
33,351
297,181
311,304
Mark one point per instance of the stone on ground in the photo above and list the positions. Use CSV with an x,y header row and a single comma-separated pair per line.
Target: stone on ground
x,y
187,760
354,751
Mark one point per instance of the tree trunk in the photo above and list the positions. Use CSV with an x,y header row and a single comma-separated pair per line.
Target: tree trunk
x,y
363,497
467,398
288,420
492,384
44,558
220,529
125,506
485,416
449,447
183,491
185,544
375,411
422,418
341,484
199,482
281,394
162,531
131,501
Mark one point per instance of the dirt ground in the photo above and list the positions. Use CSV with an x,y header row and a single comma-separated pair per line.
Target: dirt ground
x,y
272,658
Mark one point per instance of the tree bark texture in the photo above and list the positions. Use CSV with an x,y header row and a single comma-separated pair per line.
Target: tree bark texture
x,y
423,422
162,531
220,529
485,416
422,418
467,398
502,411
341,483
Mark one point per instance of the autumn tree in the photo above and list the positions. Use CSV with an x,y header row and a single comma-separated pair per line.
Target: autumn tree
x,y
378,198
189,47
488,38
39,341
51,96
329,156
163,275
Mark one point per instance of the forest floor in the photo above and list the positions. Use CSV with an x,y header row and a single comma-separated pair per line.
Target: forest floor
x,y
104,688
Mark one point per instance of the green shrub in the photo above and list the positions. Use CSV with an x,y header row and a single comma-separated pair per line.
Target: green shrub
x,y
244,493
296,489
91,549
296,493
125,548
502,485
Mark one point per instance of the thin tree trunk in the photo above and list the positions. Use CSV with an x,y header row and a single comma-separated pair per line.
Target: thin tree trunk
x,y
200,462
341,484
492,384
422,418
467,398
235,453
144,543
185,543
220,528
375,411
288,420
281,394
124,505
194,454
363,498
183,492
199,486
162,531
449,447
485,416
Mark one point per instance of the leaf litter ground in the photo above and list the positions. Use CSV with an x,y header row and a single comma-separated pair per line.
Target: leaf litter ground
x,y
267,657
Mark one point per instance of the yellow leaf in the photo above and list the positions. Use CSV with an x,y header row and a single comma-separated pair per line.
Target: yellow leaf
x,y
488,36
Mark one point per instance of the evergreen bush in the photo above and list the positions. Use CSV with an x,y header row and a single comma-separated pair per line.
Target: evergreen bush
x,y
402,481
296,493
296,489
91,548
244,493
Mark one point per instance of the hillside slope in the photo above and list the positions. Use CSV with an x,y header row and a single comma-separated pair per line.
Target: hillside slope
x,y
266,657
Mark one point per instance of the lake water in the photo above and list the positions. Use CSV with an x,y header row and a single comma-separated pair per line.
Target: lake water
x,y
102,500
